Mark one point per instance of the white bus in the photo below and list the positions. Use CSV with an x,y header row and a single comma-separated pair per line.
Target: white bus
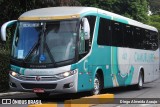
x,y
75,49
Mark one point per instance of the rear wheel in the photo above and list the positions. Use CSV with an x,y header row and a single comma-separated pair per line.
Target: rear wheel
x,y
42,95
139,85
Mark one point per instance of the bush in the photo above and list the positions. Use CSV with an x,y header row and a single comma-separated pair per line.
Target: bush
x,y
5,48
4,68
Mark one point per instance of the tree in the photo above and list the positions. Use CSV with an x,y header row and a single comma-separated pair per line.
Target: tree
x,y
135,9
155,21
155,6
103,4
12,9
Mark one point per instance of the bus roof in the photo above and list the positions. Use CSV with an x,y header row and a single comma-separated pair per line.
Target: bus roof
x,y
52,13
55,13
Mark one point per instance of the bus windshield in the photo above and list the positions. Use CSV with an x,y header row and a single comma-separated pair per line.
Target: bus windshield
x,y
45,42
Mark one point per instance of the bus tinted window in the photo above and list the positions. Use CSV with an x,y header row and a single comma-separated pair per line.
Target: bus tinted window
x,y
146,40
117,34
104,35
137,38
154,40
127,36
112,33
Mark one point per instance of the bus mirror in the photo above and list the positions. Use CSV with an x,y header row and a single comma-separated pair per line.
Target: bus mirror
x,y
4,29
86,28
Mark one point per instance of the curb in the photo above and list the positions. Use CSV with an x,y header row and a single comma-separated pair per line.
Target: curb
x,y
90,101
43,105
82,102
10,93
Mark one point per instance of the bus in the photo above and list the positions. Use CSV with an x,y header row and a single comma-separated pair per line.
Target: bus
x,y
76,49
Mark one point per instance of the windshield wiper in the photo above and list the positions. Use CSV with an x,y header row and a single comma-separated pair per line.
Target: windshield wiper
x,y
35,47
41,44
50,54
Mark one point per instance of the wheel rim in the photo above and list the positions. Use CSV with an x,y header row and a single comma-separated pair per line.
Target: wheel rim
x,y
96,86
140,81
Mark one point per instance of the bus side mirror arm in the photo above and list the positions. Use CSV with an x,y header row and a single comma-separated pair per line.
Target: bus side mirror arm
x,y
4,29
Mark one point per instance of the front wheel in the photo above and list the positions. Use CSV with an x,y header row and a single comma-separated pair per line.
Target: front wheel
x,y
97,82
139,85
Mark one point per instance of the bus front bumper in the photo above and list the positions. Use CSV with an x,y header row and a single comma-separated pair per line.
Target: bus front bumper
x,y
65,85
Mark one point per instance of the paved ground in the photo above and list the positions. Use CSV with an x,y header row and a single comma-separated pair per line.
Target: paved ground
x,y
150,90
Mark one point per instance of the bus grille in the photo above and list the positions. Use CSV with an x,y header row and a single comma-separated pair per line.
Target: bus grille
x,y
44,86
43,78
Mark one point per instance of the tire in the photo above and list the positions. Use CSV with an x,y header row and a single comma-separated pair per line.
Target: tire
x,y
42,95
139,85
97,85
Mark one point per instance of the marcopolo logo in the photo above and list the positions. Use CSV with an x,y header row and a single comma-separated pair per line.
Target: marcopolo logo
x,y
38,78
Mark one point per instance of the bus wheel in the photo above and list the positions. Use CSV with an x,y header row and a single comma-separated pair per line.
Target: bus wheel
x,y
97,82
43,95
140,82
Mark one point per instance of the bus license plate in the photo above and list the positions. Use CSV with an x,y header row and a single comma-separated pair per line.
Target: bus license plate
x,y
38,90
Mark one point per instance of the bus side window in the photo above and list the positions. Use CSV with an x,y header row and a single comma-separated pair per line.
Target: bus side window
x,y
127,36
142,37
146,39
117,34
154,40
104,32
137,38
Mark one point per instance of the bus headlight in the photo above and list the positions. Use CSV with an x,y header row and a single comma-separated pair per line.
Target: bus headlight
x,y
66,74
14,74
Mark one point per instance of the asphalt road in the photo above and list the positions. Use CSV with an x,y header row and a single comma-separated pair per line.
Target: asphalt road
x,y
150,90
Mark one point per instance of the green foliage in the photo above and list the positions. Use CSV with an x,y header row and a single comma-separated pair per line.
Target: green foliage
x,y
135,9
12,9
155,21
4,65
155,6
